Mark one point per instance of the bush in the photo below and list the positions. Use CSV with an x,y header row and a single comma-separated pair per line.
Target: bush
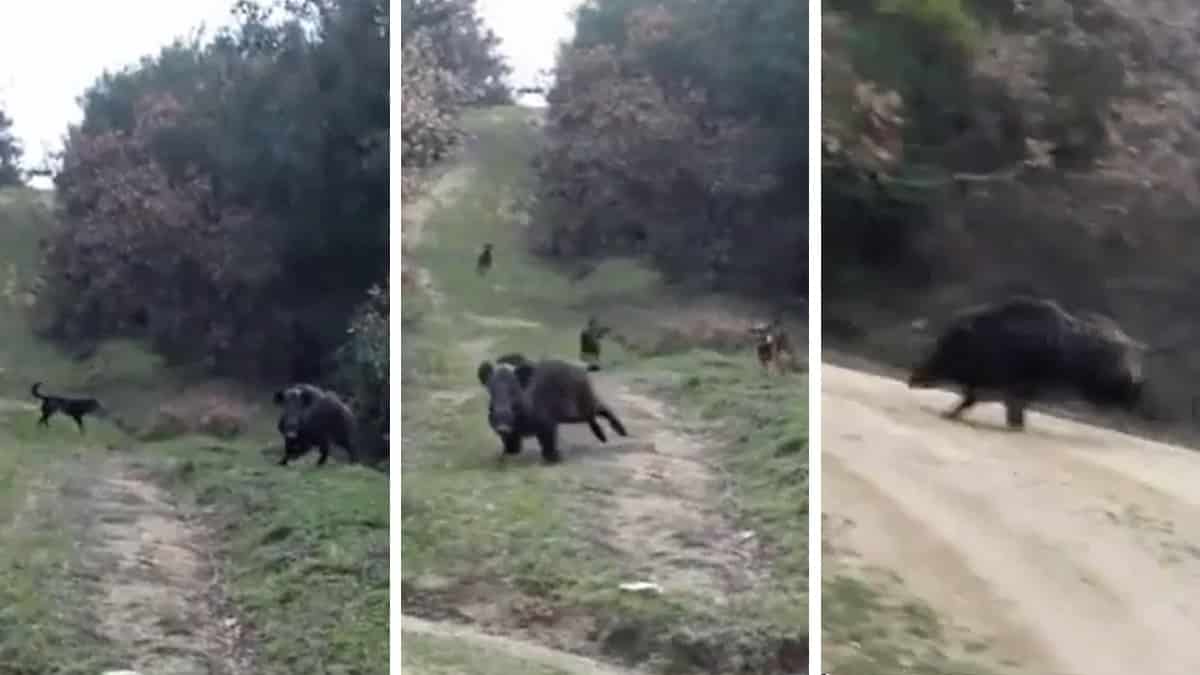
x,y
679,130
364,361
10,153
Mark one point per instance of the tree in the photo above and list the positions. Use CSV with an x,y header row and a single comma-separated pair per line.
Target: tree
x,y
10,153
460,43
679,130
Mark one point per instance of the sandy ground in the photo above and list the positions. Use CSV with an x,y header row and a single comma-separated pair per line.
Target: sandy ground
x,y
1070,549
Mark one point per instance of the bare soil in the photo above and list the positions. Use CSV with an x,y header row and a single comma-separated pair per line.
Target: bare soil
x,y
518,649
1068,549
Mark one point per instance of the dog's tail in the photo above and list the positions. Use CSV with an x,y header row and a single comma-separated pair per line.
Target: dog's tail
x,y
34,390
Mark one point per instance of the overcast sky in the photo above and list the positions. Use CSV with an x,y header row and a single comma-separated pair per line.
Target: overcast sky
x,y
51,50
530,36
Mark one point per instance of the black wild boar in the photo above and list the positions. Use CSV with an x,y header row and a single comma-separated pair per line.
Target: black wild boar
x,y
513,359
773,345
1026,348
313,416
532,399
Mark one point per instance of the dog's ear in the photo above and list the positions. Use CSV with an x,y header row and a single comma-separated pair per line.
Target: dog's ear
x,y
484,372
278,397
524,373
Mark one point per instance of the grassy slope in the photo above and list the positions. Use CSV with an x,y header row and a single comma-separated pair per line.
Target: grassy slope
x,y
427,655
526,536
305,551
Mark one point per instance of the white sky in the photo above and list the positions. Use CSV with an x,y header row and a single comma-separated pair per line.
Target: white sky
x,y
51,50
530,36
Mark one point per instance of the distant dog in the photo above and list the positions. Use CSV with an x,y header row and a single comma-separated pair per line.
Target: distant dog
x,y
76,408
484,262
589,343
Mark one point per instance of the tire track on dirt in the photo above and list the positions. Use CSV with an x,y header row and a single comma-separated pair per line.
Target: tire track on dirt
x,y
1051,543
158,592
667,516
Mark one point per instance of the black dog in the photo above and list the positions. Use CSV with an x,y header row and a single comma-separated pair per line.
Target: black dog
x,y
589,343
76,408
484,262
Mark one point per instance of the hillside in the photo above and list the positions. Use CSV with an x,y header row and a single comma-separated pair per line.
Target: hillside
x,y
163,538
1062,162
974,149
706,499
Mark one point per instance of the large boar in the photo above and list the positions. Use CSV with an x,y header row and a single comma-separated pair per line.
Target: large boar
x,y
531,399
1025,348
313,416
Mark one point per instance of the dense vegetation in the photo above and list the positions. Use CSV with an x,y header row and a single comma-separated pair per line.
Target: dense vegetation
x,y
227,201
974,147
678,130
450,61
10,153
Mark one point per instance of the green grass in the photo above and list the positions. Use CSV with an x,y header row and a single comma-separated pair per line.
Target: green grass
x,y
474,531
46,629
869,631
428,655
304,551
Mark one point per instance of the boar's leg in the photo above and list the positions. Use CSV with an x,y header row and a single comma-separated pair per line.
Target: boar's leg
x,y
323,446
1015,403
968,400
607,414
291,452
548,439
512,444
1014,412
595,427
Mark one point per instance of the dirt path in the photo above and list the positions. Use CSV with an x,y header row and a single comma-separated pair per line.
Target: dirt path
x,y
667,513
157,592
445,188
523,651
1071,550
665,499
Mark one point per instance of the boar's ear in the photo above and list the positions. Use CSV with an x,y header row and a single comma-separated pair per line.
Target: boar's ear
x,y
524,373
306,397
484,372
278,397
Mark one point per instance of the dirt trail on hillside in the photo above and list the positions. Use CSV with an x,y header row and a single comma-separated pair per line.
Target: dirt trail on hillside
x,y
523,651
1070,549
667,513
665,499
447,187
152,583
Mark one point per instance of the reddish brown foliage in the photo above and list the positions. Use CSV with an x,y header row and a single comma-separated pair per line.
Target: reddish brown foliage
x,y
651,148
136,243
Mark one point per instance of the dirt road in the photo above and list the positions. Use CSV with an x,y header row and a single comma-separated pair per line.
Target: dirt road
x,y
1070,549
